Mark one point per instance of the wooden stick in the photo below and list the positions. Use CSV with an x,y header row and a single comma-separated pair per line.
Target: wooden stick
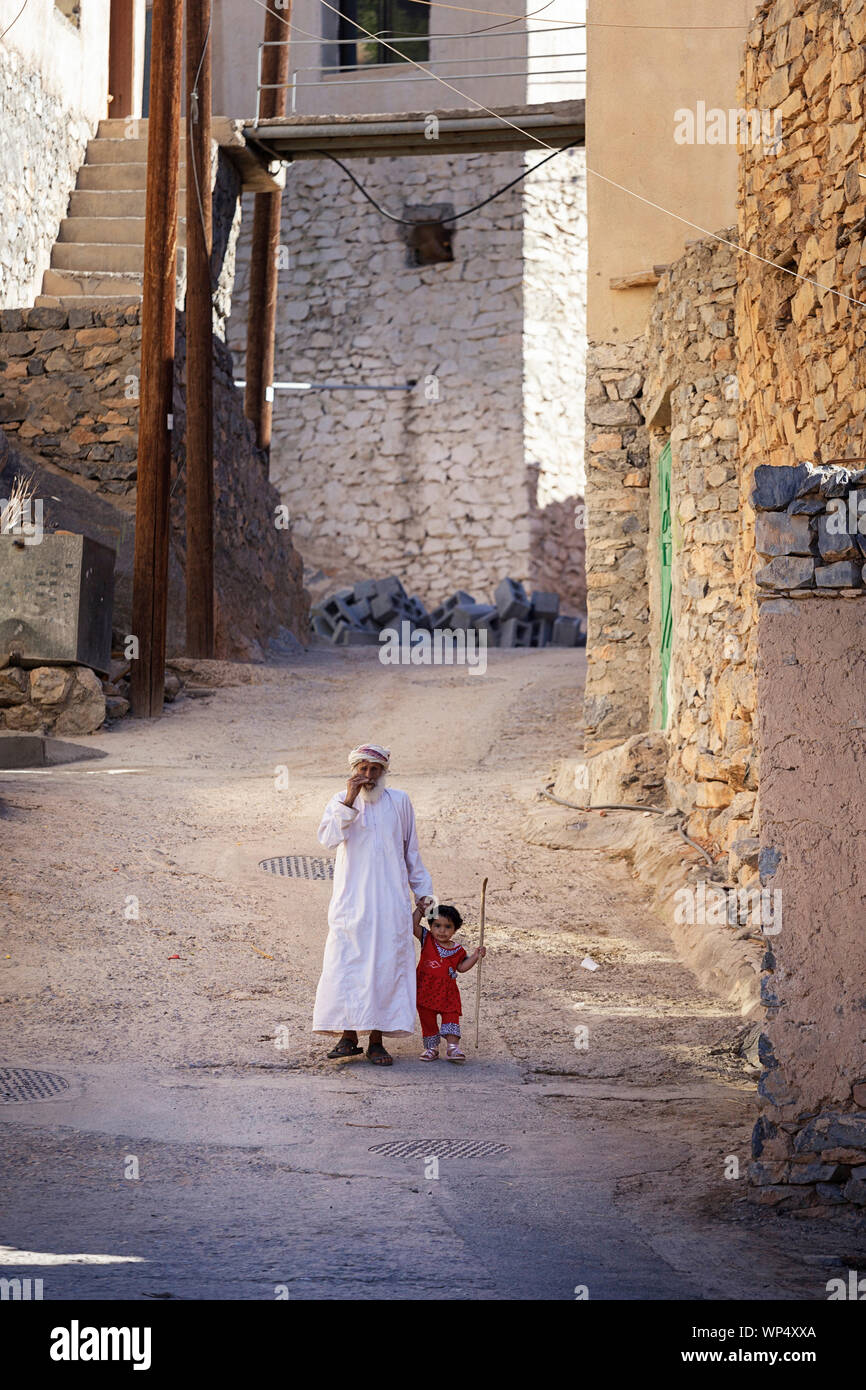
x,y
478,981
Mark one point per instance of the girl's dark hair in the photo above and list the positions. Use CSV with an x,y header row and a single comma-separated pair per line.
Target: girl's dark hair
x,y
451,914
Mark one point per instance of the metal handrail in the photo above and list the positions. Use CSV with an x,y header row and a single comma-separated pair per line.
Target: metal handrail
x,y
394,70
424,38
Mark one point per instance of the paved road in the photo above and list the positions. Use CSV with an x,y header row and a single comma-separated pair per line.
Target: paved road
x,y
250,1183
152,963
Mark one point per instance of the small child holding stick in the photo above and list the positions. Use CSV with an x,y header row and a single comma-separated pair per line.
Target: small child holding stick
x,y
442,959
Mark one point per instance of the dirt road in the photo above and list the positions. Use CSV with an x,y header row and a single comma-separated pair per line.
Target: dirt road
x,y
205,1148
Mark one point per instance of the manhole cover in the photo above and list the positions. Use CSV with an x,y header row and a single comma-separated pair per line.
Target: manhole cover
x,y
439,1148
18,1083
298,866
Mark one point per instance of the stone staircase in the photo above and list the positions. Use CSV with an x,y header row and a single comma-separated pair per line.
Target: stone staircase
x,y
99,252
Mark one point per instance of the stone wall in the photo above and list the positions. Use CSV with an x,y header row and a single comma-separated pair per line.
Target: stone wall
x,y
442,480
42,145
617,521
51,700
690,399
69,393
554,349
804,394
69,389
803,397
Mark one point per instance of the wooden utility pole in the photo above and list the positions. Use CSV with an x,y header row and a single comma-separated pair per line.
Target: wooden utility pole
x,y
150,574
262,310
199,335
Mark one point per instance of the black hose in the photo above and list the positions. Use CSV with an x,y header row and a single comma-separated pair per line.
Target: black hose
x,y
629,806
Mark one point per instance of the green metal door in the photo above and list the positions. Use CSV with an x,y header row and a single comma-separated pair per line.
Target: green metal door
x,y
665,556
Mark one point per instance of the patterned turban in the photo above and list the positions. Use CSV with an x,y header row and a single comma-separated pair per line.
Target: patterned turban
x,y
369,753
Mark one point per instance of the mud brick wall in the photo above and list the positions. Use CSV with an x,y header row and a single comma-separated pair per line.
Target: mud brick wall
x,y
810,1142
803,398
690,400
617,525
69,393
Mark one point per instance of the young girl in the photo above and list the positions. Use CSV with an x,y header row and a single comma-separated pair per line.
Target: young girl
x,y
441,961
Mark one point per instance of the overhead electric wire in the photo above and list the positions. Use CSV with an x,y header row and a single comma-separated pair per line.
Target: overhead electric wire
x,y
583,23
428,73
193,119
724,241
291,26
15,20
491,28
414,221
714,236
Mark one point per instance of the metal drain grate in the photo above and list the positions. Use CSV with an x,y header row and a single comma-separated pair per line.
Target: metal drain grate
x,y
439,1148
298,866
18,1083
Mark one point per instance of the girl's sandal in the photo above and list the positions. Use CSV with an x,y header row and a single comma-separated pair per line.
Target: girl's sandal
x,y
430,1054
453,1053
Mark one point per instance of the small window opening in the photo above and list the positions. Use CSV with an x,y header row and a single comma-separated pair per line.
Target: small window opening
x,y
430,239
403,23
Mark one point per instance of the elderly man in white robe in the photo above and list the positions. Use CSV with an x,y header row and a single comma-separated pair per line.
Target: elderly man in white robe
x,y
368,974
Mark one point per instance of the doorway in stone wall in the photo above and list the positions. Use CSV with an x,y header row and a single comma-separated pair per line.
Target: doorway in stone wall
x,y
121,58
666,587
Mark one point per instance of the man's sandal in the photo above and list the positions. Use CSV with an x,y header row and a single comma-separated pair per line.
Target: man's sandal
x,y
378,1056
430,1054
453,1053
345,1048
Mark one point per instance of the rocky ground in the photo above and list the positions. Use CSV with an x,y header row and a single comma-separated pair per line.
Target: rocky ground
x,y
205,1148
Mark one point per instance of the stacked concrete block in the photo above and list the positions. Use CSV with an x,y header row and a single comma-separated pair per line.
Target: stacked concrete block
x,y
472,615
492,625
441,616
418,615
515,633
542,631
525,621
511,600
356,616
545,607
568,632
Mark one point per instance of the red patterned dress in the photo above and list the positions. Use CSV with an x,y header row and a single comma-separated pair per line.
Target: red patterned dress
x,y
437,992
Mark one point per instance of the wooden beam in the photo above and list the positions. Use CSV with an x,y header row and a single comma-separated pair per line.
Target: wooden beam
x,y
199,335
259,172
636,281
262,308
150,572
531,128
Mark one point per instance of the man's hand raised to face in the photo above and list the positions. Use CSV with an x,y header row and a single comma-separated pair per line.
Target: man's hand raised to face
x,y
364,775
353,786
